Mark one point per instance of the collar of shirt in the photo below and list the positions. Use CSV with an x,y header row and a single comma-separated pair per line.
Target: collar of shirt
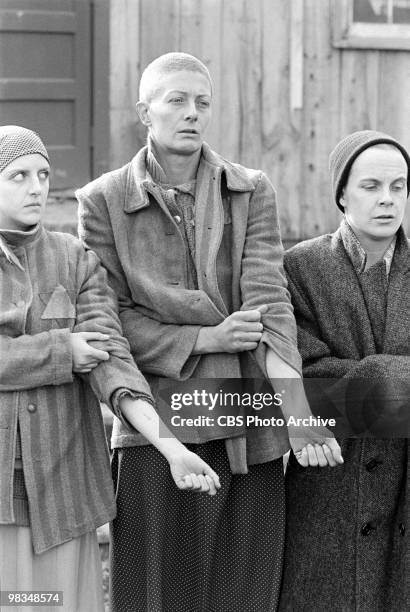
x,y
357,253
157,175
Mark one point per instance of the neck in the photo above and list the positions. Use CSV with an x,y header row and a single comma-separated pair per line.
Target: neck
x,y
375,249
178,168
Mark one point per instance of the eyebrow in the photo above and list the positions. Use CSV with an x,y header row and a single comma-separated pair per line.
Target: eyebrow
x,y
181,91
402,177
9,172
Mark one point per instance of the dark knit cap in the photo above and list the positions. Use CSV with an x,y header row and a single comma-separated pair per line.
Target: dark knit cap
x,y
16,141
346,151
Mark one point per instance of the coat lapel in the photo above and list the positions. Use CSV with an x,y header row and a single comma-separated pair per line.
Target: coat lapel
x,y
209,225
209,218
397,330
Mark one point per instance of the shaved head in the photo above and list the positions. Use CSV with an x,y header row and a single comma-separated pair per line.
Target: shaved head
x,y
164,65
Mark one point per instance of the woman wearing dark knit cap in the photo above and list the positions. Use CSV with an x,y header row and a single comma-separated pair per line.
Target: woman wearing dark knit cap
x,y
346,547
60,347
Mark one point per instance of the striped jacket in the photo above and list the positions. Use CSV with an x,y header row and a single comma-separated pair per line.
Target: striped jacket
x,y
61,288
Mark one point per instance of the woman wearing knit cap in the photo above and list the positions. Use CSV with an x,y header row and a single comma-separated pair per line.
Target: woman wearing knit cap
x,y
60,348
346,547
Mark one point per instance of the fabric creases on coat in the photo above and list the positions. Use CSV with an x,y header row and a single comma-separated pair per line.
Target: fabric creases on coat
x,y
352,326
60,289
125,220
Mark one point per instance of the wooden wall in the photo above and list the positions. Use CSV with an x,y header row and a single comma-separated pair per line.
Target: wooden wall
x,y
283,95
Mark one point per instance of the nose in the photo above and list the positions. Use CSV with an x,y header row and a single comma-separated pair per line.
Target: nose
x,y
385,196
35,185
191,112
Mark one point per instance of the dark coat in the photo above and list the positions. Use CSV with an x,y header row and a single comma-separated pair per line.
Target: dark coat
x,y
346,548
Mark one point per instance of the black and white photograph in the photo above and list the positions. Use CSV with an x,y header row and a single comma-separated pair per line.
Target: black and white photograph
x,y
204,305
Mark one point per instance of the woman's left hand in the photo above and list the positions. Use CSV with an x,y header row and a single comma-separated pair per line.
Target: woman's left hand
x,y
313,449
191,473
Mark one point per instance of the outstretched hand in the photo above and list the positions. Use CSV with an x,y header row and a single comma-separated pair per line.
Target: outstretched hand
x,y
191,473
316,448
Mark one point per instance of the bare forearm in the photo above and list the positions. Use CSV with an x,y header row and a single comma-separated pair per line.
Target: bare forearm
x,y
288,382
144,418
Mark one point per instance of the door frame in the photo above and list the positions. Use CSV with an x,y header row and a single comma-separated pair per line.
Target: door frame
x,y
100,87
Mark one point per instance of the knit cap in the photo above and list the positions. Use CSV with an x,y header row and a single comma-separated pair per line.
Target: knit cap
x,y
348,149
16,141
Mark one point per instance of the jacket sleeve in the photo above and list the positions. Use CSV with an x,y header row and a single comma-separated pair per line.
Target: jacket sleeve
x,y
28,361
263,280
318,360
370,393
158,348
317,357
96,309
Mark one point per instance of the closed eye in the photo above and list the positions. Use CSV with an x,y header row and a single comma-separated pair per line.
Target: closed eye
x,y
398,186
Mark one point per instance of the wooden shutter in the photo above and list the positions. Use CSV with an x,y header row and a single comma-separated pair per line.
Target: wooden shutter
x,y
45,79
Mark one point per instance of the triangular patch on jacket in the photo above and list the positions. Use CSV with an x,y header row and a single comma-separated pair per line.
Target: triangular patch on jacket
x,y
59,305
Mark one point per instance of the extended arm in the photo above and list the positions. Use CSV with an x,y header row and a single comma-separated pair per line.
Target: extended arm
x,y
311,447
188,470
263,281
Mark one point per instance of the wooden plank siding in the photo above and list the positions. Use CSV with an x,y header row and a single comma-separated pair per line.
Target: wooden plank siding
x,y
262,118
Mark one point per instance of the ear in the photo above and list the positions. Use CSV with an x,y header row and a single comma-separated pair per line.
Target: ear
x,y
342,201
143,112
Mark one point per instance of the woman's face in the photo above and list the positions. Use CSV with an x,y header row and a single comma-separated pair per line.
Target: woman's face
x,y
179,112
375,195
23,192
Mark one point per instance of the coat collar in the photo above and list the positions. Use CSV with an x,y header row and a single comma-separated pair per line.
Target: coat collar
x,y
140,185
19,238
12,240
400,259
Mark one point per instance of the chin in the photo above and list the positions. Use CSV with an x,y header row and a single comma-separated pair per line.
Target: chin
x,y
385,232
29,223
188,149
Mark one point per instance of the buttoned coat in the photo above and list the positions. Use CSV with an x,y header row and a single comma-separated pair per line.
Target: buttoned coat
x,y
60,289
125,220
346,546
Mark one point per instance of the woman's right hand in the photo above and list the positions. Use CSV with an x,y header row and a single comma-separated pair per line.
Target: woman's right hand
x,y
191,473
85,356
241,331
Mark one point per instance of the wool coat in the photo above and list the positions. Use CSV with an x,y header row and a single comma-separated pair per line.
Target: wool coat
x,y
60,289
346,545
126,222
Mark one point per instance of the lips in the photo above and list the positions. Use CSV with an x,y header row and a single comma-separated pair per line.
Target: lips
x,y
188,131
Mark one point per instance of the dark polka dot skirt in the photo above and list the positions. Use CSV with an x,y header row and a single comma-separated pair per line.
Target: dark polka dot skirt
x,y
179,551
